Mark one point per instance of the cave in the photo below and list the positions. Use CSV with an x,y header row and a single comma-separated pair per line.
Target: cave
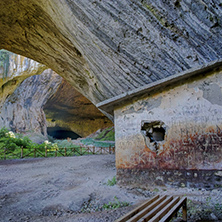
x,y
62,133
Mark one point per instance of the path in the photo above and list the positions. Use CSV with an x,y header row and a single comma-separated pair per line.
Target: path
x,y
56,189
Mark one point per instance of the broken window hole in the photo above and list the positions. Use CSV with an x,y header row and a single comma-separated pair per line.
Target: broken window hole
x,y
154,134
154,130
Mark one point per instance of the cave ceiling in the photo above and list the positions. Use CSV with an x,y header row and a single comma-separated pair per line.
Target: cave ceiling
x,y
106,48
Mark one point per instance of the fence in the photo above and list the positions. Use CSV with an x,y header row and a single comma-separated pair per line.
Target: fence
x,y
21,152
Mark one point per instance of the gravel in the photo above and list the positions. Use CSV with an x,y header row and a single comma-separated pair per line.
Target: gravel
x,y
75,189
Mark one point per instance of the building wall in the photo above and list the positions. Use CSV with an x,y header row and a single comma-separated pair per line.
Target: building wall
x,y
173,137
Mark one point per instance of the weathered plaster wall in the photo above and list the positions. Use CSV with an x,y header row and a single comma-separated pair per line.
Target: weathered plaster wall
x,y
191,151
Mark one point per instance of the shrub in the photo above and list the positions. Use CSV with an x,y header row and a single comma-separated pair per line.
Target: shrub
x,y
106,135
11,141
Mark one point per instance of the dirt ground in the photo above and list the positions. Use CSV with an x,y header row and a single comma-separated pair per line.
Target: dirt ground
x,y
72,189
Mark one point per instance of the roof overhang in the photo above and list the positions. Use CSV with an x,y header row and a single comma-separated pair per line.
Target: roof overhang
x,y
110,104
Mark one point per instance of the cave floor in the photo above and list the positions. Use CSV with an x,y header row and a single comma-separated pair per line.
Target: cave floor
x,y
73,189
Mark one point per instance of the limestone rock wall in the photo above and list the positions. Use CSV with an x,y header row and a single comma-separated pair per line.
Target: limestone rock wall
x,y
13,70
22,111
105,48
25,104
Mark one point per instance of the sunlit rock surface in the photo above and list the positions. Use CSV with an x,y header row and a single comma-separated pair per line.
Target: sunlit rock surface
x,y
25,106
13,70
22,111
105,48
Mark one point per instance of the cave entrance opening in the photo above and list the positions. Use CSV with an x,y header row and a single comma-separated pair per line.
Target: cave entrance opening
x,y
61,133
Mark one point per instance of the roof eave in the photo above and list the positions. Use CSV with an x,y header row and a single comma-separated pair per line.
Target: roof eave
x,y
110,104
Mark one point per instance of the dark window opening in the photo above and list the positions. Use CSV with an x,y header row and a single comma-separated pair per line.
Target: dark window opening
x,y
62,133
154,130
157,134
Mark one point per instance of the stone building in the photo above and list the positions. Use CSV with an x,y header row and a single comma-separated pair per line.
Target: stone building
x,y
170,132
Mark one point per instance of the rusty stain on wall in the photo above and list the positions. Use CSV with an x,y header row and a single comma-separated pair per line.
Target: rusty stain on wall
x,y
191,153
192,118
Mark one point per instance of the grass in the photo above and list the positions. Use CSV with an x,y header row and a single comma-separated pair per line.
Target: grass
x,y
112,182
203,211
155,190
114,205
14,146
106,135
90,141
91,205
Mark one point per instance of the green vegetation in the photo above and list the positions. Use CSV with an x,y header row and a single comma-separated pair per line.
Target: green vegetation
x,y
4,61
112,182
204,210
218,207
106,135
155,190
90,141
103,139
65,143
12,141
92,206
14,145
114,205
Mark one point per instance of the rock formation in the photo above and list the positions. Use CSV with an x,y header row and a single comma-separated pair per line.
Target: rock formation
x,y
24,109
67,108
13,70
105,48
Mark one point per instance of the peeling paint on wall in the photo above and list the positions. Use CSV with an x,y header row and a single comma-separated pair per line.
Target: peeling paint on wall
x,y
189,119
212,93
